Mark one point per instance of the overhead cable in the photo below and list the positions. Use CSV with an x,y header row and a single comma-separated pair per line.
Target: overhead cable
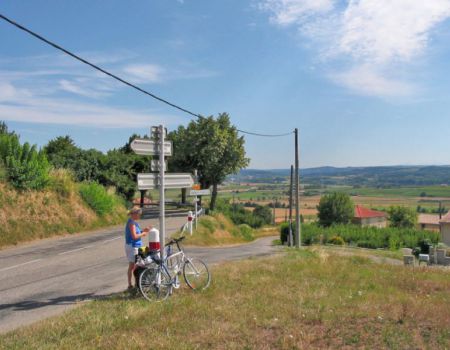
x,y
58,47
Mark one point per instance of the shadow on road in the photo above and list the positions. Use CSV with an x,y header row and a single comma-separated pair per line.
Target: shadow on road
x,y
35,304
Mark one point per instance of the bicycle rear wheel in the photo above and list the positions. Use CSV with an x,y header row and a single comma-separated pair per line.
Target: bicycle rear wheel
x,y
196,274
155,284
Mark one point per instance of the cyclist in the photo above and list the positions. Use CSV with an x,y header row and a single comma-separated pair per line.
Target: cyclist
x,y
133,241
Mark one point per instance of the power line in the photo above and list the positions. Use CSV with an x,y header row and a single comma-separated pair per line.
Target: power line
x,y
123,81
265,135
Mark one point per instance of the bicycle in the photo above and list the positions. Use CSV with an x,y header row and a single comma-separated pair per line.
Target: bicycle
x,y
158,280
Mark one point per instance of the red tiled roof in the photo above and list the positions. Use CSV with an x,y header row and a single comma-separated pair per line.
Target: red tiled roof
x,y
428,219
361,212
446,218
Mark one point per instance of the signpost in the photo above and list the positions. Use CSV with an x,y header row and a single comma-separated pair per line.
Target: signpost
x,y
157,146
152,180
146,147
196,193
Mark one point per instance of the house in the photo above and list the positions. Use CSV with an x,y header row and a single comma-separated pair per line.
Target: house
x,y
445,229
429,222
368,217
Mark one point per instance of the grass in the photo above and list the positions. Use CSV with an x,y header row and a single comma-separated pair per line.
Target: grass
x,y
306,299
29,215
218,230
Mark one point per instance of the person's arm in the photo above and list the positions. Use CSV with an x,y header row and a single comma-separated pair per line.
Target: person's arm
x,y
134,235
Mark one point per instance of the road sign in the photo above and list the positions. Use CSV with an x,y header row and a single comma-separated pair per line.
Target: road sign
x,y
155,165
205,192
151,181
150,148
154,132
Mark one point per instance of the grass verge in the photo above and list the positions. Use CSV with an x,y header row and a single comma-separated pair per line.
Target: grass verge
x,y
302,300
217,230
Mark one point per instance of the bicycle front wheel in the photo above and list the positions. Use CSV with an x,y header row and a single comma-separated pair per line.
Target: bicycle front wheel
x,y
196,274
154,284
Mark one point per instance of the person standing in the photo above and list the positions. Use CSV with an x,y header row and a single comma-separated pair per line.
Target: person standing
x,y
133,241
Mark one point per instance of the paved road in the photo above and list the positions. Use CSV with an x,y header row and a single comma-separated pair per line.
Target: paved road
x,y
44,278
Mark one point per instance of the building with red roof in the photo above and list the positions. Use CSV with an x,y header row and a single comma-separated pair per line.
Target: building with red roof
x,y
445,229
368,217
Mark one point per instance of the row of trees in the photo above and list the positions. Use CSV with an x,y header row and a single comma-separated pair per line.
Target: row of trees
x,y
209,145
338,208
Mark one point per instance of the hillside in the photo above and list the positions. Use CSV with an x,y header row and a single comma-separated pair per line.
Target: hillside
x,y
378,176
57,210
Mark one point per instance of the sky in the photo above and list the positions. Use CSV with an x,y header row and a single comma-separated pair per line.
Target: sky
x,y
366,82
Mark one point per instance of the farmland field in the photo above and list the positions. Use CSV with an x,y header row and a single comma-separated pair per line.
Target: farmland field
x,y
427,197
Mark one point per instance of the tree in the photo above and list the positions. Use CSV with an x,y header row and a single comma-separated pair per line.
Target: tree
x,y
402,217
335,208
213,147
264,213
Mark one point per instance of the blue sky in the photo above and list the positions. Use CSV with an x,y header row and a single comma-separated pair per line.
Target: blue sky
x,y
365,81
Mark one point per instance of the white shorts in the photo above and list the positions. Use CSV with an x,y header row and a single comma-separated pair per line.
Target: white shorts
x,y
131,253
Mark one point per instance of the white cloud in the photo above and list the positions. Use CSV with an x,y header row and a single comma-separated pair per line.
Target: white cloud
x,y
367,80
372,37
285,12
144,73
62,111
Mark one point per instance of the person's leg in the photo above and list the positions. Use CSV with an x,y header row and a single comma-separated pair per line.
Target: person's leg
x,y
130,274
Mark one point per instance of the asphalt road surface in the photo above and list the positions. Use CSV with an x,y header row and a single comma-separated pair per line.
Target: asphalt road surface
x,y
44,278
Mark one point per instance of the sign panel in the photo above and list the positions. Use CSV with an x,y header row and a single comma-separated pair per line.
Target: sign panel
x,y
155,165
150,148
205,192
151,181
154,132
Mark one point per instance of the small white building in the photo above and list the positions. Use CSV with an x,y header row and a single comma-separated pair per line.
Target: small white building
x,y
445,229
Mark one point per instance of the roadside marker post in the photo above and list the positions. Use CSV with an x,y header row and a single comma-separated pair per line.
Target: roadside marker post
x,y
162,199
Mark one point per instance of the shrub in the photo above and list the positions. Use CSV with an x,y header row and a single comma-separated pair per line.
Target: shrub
x,y
246,232
26,168
368,237
62,182
337,240
97,198
402,217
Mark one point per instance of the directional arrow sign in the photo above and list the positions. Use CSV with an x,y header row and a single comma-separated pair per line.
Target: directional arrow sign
x,y
151,181
206,192
150,148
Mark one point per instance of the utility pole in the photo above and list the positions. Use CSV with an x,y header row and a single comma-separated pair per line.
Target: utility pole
x,y
162,199
273,210
290,240
297,196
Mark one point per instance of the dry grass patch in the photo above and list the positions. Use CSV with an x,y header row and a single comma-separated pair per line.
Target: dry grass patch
x,y
302,300
218,230
28,215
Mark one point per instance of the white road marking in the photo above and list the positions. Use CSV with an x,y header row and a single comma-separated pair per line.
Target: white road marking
x,y
25,263
111,239
73,250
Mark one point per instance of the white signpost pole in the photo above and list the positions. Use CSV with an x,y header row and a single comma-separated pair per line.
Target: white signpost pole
x,y
196,212
162,208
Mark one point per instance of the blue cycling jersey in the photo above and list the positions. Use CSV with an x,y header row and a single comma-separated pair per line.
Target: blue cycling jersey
x,y
128,239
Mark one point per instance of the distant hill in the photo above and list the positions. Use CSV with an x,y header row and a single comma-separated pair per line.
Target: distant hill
x,y
378,176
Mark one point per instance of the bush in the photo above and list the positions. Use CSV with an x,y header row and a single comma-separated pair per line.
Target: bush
x,y
97,198
368,237
284,231
25,167
246,232
62,182
337,240
402,217
239,215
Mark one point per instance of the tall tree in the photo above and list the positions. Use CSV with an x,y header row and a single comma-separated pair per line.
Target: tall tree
x,y
335,208
402,217
213,147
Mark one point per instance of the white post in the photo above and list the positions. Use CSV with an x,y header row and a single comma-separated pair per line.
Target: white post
x,y
196,212
162,208
190,218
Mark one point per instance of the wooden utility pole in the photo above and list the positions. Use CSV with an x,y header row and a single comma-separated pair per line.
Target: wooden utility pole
x,y
290,240
297,196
